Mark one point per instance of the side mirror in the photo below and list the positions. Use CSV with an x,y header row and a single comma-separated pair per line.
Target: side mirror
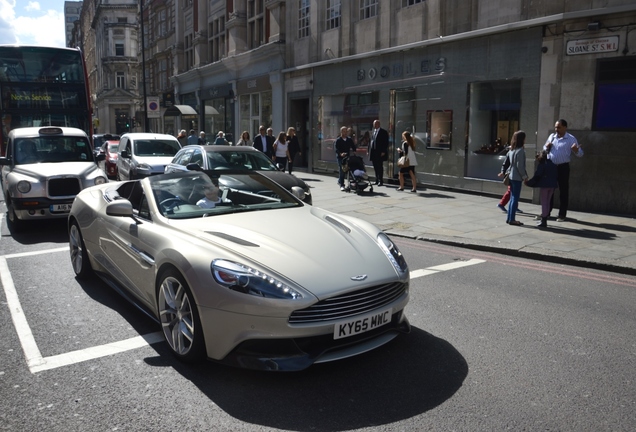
x,y
298,192
193,167
120,207
5,161
124,154
100,157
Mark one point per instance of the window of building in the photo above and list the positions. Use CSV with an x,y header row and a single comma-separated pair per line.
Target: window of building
x,y
119,49
255,23
493,116
120,80
303,18
217,39
255,110
368,8
439,129
333,14
189,51
162,75
160,23
123,20
615,94
406,3
356,111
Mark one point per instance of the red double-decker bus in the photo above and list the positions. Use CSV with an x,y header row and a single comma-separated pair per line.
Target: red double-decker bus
x,y
43,86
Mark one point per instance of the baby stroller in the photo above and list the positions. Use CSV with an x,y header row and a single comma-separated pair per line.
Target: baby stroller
x,y
357,177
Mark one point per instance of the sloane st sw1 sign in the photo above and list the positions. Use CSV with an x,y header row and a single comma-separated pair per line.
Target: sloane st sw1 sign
x,y
592,46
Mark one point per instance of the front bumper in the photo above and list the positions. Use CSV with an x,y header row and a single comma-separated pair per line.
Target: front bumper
x,y
39,208
266,343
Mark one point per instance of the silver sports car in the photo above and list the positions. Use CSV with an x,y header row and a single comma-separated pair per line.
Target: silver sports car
x,y
257,280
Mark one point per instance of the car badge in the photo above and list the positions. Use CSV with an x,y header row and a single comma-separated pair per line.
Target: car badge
x,y
359,277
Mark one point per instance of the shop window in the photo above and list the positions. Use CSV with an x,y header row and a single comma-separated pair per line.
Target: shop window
x,y
494,112
615,95
439,127
355,111
406,3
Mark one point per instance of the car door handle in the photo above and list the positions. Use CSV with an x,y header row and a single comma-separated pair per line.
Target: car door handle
x,y
144,256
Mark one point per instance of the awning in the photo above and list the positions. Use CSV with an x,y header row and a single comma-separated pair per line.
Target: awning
x,y
210,110
177,110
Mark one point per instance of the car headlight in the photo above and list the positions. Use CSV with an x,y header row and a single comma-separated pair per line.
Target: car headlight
x,y
23,186
100,180
393,253
242,278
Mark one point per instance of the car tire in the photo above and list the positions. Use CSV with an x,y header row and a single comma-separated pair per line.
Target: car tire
x,y
179,317
79,255
15,224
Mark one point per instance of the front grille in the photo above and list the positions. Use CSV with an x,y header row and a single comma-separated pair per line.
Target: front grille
x,y
349,304
64,187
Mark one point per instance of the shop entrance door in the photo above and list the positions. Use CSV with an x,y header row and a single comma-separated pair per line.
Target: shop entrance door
x,y
403,117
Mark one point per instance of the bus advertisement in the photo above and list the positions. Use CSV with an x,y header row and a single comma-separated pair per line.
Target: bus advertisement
x,y
43,86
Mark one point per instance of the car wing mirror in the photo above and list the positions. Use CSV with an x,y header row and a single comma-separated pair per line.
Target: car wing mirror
x,y
120,207
100,157
193,167
5,161
298,192
124,154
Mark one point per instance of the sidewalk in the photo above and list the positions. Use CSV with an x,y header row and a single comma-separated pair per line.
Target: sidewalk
x,y
473,221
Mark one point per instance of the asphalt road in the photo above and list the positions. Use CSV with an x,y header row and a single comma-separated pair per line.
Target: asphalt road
x,y
497,343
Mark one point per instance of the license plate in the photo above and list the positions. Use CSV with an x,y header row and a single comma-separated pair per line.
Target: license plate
x,y
60,208
362,324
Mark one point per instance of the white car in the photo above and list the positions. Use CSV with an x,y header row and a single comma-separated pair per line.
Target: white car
x,y
144,154
44,169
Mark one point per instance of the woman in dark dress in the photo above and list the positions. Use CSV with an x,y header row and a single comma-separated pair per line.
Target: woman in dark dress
x,y
294,147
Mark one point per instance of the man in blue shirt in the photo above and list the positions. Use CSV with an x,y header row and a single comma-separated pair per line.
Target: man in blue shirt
x,y
560,146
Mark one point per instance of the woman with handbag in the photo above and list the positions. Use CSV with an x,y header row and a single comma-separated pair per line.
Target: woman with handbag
x,y
407,155
517,173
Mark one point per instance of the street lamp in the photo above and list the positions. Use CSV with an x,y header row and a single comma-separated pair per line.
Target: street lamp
x,y
143,64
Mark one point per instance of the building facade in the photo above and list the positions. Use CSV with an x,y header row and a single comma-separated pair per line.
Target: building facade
x,y
72,10
462,75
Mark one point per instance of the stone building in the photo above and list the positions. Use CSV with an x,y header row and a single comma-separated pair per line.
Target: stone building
x,y
462,75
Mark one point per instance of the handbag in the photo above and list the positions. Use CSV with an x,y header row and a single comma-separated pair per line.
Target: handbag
x,y
403,162
506,179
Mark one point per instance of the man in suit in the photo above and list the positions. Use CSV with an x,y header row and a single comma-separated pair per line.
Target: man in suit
x,y
264,142
378,151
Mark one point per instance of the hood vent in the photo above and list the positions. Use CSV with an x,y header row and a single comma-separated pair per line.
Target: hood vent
x,y
232,239
338,224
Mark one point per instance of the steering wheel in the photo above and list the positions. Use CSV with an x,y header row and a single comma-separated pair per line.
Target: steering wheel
x,y
170,203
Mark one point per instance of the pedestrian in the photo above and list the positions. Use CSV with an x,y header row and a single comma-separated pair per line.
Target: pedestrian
x,y
343,146
281,152
264,142
560,146
182,137
245,139
220,139
294,148
192,138
408,150
517,173
379,151
506,196
545,177
202,139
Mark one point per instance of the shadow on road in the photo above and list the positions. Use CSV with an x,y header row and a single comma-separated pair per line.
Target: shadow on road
x,y
411,375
